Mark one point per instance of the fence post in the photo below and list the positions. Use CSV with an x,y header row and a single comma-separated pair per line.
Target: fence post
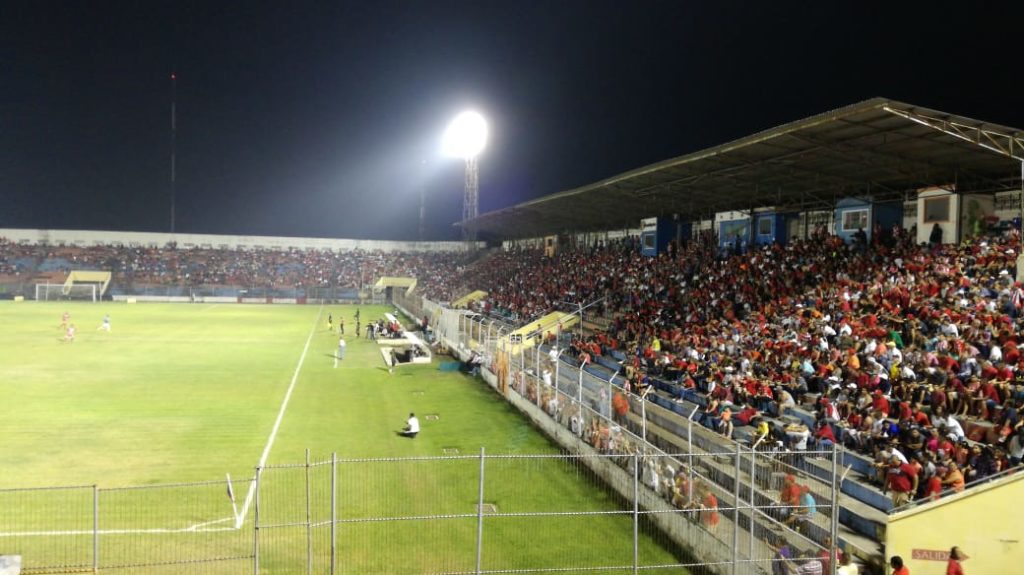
x,y
334,509
309,525
256,524
537,379
480,516
636,513
580,383
834,523
536,358
558,361
689,454
522,360
753,511
95,529
736,512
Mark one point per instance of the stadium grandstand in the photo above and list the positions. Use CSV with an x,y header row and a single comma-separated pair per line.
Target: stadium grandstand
x,y
851,279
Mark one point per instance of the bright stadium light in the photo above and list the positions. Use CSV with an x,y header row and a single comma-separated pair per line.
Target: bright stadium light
x,y
466,136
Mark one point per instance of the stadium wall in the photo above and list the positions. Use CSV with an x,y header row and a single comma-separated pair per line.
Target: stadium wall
x,y
84,238
981,521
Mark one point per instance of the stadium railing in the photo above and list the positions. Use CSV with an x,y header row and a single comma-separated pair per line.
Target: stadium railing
x,y
580,401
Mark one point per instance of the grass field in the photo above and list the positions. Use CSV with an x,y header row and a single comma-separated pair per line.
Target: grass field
x,y
189,393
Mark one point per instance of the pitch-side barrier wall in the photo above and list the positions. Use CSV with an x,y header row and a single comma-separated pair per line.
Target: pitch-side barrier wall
x,y
208,299
982,522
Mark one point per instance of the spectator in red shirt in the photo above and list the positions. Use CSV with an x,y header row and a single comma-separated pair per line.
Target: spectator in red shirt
x,y
880,403
953,566
902,479
898,568
823,435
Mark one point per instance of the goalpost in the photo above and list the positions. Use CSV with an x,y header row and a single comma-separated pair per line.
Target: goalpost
x,y
77,292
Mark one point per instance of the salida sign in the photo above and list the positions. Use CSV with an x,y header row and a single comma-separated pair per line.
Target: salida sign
x,y
929,555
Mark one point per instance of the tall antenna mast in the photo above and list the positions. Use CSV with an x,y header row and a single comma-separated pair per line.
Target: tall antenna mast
x,y
174,138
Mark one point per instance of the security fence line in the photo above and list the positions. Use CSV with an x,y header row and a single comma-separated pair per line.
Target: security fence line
x,y
335,516
714,510
519,370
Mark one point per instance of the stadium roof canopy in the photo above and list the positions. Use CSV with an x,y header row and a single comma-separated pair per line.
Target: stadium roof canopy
x,y
879,148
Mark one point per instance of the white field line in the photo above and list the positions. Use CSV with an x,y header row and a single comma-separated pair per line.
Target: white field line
x,y
202,527
277,424
199,526
195,340
190,529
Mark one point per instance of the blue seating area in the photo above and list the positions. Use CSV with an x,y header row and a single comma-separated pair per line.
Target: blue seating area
x,y
54,264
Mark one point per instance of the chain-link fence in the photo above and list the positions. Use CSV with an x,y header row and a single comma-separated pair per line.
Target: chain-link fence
x,y
774,505
482,514
179,528
695,498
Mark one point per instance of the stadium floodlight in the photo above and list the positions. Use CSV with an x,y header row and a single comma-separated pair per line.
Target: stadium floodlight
x,y
465,138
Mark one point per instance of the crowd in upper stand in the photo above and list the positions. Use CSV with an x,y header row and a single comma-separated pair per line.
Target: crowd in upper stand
x,y
908,353
171,265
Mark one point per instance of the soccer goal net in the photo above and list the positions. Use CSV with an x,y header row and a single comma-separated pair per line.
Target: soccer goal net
x,y
80,292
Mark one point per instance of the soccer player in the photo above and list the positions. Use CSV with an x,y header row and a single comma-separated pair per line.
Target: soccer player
x,y
69,335
64,319
341,325
105,326
330,322
340,355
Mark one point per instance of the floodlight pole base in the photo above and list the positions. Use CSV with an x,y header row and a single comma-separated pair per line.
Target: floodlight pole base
x,y
470,198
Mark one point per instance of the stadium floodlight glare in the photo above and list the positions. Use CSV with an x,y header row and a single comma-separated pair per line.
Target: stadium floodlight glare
x,y
466,136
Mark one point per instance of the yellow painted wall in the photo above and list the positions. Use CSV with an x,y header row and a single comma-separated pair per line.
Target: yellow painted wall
x,y
984,522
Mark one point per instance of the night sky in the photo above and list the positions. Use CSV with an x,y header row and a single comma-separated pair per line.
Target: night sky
x,y
324,119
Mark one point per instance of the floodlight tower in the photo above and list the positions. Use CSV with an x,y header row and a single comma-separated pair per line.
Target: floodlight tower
x,y
465,138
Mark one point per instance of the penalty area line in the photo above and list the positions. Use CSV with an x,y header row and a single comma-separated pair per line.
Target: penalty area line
x,y
240,518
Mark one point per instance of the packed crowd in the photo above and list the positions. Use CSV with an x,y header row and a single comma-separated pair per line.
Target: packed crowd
x,y
11,257
907,353
171,265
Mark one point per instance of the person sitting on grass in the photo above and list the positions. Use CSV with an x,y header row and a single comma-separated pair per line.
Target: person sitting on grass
x,y
412,427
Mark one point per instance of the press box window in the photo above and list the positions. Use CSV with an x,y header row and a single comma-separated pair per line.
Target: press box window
x,y
854,220
936,210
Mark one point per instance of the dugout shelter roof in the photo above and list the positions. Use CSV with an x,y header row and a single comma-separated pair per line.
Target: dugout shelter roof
x,y
879,148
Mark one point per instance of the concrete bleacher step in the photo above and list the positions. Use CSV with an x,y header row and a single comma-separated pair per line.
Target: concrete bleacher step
x,y
860,464
860,544
866,518
862,507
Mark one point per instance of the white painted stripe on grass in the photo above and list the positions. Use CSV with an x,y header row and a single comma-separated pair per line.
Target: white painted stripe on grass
x,y
195,528
277,424
192,529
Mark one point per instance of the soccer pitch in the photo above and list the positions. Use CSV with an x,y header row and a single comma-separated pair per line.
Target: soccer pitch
x,y
189,393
